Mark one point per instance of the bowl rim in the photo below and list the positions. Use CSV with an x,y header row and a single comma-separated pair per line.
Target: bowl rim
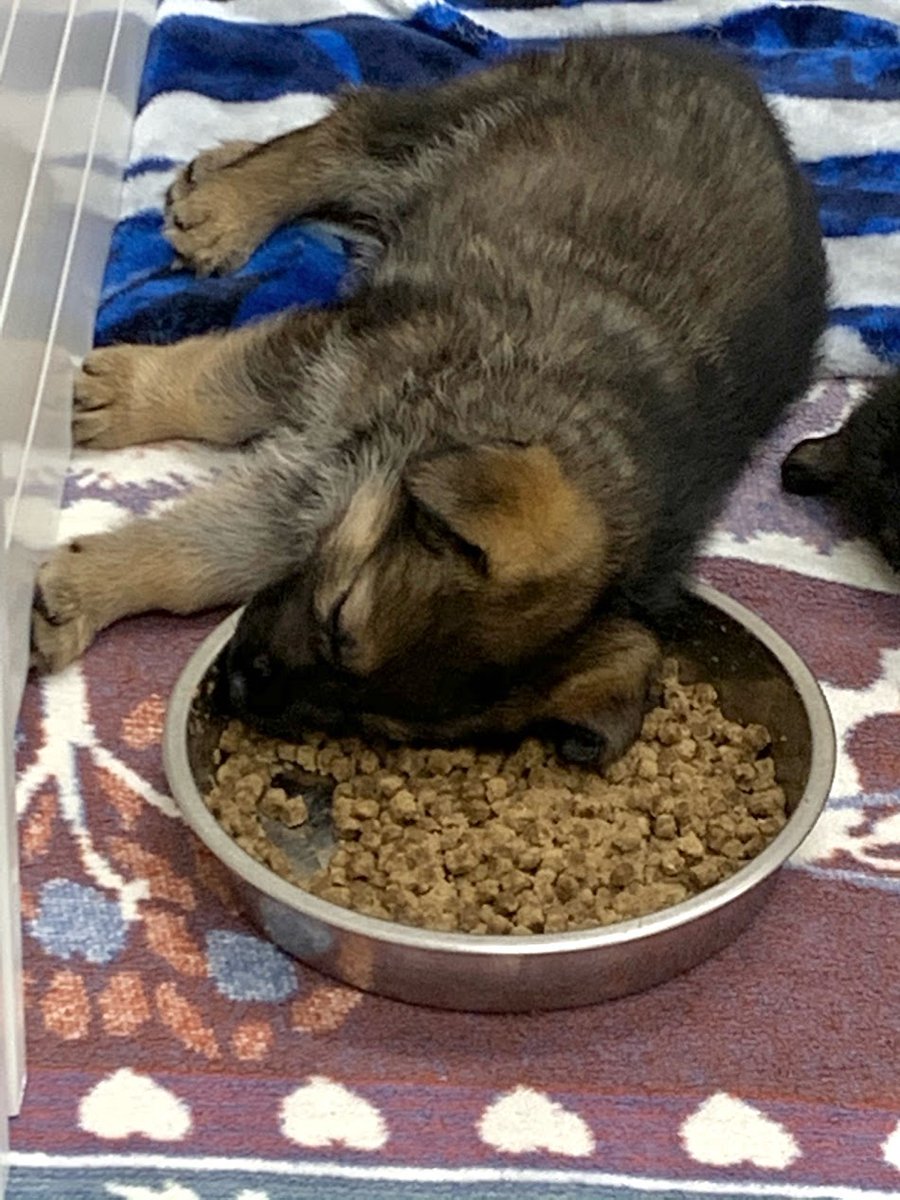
x,y
193,810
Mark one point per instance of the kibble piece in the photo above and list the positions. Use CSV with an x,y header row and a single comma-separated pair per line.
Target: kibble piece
x,y
665,827
368,762
706,872
289,810
767,803
690,845
628,836
388,785
622,874
403,806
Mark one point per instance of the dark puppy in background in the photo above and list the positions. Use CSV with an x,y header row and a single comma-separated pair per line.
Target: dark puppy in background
x,y
470,491
858,467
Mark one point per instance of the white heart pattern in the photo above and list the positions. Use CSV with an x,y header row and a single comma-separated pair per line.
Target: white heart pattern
x,y
524,1121
891,1148
325,1113
725,1131
126,1103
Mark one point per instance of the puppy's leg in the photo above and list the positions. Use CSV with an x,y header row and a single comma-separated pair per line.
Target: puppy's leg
x,y
358,162
218,546
597,711
224,388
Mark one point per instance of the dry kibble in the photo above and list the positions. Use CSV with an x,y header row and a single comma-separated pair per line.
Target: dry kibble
x,y
766,804
671,863
496,788
686,749
665,827
629,835
402,806
622,874
250,787
455,839
733,848
289,810
756,737
367,763
389,785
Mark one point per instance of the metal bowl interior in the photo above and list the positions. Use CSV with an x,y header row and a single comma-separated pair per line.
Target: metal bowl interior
x,y
759,678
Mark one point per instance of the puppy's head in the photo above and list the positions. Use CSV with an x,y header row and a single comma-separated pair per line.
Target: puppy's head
x,y
449,603
858,467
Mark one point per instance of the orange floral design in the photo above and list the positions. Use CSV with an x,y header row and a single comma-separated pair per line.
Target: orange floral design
x,y
324,1009
164,883
65,1006
185,1021
127,802
252,1040
28,904
144,724
123,1004
167,936
38,829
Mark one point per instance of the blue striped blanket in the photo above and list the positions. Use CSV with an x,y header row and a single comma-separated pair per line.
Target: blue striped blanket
x,y
257,68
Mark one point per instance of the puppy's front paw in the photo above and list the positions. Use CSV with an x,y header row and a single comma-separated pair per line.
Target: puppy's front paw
x,y
62,623
215,216
602,740
109,409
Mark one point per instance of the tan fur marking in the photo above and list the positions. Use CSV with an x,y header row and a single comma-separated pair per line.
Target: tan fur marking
x,y
356,613
515,504
353,540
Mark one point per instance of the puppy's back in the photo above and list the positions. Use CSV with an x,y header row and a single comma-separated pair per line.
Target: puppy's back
x,y
626,218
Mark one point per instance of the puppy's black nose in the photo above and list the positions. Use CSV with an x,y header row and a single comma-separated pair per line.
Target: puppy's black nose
x,y
237,690
251,682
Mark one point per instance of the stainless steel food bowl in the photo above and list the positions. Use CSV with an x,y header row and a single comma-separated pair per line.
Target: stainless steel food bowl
x,y
759,678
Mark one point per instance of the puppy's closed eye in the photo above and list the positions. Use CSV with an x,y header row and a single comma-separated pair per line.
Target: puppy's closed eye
x,y
438,538
335,642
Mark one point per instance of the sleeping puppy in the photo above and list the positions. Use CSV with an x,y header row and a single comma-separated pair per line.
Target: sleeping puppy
x,y
859,468
470,491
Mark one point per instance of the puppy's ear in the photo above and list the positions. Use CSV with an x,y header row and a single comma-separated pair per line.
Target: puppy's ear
x,y
816,467
515,507
596,712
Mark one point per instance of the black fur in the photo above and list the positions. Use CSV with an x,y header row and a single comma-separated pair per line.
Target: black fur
x,y
858,467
